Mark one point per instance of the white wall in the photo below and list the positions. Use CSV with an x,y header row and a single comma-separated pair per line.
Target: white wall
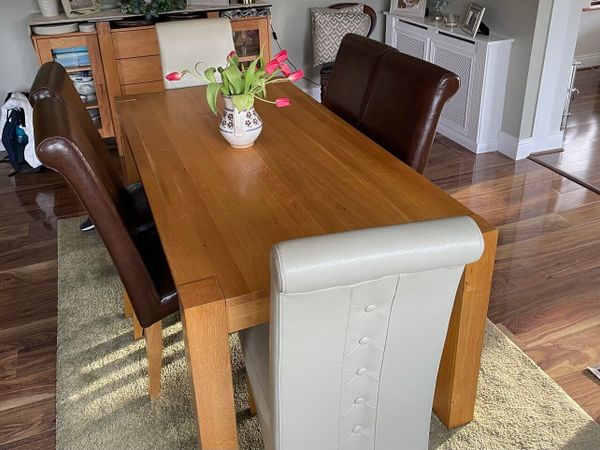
x,y
588,40
515,18
18,63
519,20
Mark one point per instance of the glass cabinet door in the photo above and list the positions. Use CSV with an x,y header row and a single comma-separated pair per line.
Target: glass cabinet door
x,y
249,36
79,55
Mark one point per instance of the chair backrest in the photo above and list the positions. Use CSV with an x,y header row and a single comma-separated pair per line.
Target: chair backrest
x,y
357,62
52,80
393,98
367,10
64,146
190,44
358,324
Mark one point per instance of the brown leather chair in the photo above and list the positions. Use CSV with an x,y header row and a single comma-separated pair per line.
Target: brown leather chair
x,y
393,98
326,69
69,147
52,80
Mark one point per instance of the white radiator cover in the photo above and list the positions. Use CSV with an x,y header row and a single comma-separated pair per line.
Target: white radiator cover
x,y
473,117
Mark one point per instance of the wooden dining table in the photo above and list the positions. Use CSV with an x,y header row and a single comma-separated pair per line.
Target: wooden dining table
x,y
219,211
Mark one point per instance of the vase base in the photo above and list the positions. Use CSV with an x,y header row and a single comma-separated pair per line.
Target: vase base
x,y
241,147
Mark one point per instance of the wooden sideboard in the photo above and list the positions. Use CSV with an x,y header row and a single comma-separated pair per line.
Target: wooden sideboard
x,y
127,60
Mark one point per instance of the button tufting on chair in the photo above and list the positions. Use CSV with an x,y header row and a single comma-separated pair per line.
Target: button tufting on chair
x,y
358,319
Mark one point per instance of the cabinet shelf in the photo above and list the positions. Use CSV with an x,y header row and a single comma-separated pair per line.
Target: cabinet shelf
x,y
78,69
91,105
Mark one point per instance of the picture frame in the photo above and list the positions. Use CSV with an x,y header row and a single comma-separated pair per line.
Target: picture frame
x,y
78,8
472,19
408,8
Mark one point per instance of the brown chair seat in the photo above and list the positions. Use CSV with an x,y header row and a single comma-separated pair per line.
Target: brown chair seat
x,y
393,98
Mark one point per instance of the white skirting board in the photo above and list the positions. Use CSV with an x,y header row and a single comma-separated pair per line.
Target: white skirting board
x,y
516,148
475,147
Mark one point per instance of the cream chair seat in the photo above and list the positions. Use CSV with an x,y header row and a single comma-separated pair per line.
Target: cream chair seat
x,y
358,324
183,44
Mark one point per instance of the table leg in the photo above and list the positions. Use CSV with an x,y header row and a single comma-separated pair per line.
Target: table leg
x,y
456,388
204,317
130,173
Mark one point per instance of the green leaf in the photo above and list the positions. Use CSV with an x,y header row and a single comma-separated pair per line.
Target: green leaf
x,y
239,102
234,76
212,90
210,74
226,87
233,60
249,75
249,101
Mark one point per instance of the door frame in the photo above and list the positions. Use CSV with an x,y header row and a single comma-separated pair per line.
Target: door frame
x,y
560,52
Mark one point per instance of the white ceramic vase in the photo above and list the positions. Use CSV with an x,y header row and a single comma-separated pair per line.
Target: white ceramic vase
x,y
48,8
240,128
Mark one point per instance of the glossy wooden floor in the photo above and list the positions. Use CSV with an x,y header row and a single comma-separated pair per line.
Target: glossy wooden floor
x,y
546,288
581,155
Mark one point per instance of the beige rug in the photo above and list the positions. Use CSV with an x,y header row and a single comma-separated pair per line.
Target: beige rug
x,y
101,378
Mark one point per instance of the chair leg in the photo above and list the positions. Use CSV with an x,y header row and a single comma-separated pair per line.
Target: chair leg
x,y
251,402
138,331
153,335
127,308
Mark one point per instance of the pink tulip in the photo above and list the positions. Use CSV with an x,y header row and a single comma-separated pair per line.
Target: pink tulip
x,y
173,76
231,54
281,57
285,70
296,76
282,102
271,66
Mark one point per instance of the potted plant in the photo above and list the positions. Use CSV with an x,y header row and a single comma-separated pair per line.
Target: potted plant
x,y
240,86
151,8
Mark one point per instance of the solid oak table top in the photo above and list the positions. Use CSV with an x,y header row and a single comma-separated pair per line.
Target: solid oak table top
x,y
220,210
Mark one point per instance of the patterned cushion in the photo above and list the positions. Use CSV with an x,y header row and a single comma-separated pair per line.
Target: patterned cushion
x,y
329,26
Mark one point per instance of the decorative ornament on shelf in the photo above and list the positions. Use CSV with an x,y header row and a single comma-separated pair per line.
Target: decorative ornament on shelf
x,y
438,10
409,8
78,8
48,8
240,86
472,19
151,8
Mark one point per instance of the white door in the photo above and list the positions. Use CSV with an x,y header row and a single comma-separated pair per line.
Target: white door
x,y
458,57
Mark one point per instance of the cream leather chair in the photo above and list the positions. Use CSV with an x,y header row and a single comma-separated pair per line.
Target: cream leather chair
x,y
358,323
185,43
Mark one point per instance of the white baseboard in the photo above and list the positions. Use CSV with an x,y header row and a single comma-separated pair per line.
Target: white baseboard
x,y
521,148
513,147
552,141
591,60
475,147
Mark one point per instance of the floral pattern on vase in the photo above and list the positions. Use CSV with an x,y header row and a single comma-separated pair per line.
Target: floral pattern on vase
x,y
240,128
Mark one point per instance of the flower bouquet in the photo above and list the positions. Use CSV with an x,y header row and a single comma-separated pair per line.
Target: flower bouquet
x,y
240,86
